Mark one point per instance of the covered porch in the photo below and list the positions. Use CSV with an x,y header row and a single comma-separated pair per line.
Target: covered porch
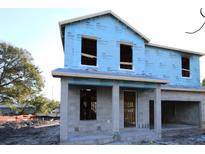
x,y
120,112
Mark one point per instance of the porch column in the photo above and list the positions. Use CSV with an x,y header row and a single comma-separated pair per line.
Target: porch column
x,y
64,110
157,111
115,108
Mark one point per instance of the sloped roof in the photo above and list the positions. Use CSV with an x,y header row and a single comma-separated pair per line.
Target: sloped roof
x,y
175,49
108,12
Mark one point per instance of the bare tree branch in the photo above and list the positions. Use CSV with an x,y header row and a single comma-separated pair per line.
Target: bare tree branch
x,y
196,30
202,13
6,84
201,25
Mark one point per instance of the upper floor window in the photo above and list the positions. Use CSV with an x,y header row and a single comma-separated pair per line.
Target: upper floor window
x,y
89,52
185,67
87,104
125,56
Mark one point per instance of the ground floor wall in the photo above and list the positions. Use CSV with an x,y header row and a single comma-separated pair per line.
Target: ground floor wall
x,y
104,110
197,97
190,106
143,96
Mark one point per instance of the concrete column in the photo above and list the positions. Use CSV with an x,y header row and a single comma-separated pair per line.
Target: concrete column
x,y
64,110
157,111
115,108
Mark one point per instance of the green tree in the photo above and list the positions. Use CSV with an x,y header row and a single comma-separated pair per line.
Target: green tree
x,y
44,105
203,82
20,79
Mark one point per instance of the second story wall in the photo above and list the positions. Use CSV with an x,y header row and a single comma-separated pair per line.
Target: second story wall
x,y
147,60
109,33
167,64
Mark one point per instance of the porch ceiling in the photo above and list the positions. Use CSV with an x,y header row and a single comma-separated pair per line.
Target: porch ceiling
x,y
63,72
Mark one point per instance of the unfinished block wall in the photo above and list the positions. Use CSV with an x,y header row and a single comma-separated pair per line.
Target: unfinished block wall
x,y
187,113
189,97
104,111
191,112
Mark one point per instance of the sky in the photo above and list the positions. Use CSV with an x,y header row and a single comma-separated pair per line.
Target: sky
x,y
36,29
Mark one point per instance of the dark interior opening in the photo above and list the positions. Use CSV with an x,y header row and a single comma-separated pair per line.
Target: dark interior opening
x,y
87,104
125,56
129,109
180,112
185,67
151,114
176,113
89,52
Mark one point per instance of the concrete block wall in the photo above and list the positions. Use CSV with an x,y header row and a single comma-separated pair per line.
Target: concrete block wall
x,y
194,110
187,113
143,108
104,108
104,111
188,96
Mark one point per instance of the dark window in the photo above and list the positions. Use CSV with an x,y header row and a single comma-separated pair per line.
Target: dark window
x,y
87,104
125,56
185,67
89,52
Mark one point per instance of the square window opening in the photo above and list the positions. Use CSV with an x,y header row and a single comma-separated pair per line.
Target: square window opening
x,y
89,52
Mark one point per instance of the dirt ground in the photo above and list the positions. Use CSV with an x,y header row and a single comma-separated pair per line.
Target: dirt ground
x,y
46,132
183,137
38,132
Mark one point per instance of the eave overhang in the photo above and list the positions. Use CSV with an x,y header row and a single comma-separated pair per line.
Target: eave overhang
x,y
107,76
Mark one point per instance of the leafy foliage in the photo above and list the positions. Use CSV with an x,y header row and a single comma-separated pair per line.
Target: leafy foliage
x,y
44,105
20,80
203,82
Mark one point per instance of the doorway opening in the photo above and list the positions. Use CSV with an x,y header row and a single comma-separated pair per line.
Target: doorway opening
x,y
129,109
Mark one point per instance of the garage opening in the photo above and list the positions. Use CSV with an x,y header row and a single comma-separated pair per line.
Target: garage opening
x,y
180,114
177,114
